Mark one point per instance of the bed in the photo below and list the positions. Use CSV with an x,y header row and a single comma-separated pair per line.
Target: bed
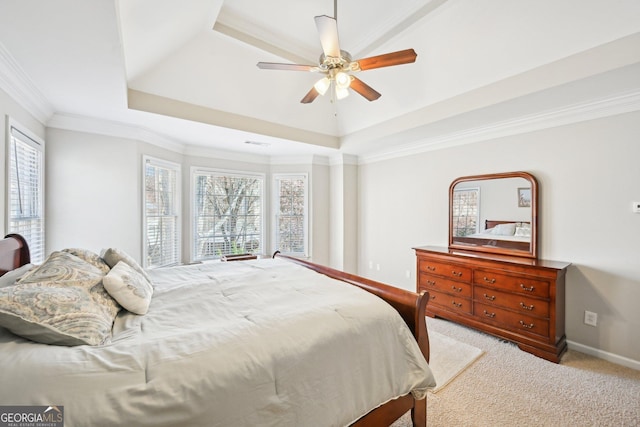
x,y
274,342
502,234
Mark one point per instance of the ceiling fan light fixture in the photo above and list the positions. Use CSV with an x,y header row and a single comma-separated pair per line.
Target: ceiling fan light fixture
x,y
341,92
322,85
343,80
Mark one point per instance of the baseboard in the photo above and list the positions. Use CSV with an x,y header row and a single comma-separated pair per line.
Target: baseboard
x,y
610,357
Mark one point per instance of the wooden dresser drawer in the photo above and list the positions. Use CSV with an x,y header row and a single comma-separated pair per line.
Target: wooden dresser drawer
x,y
517,302
444,269
513,321
430,282
511,283
449,302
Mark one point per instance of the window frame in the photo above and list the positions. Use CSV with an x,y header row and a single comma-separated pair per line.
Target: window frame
x,y
177,169
277,177
37,252
197,170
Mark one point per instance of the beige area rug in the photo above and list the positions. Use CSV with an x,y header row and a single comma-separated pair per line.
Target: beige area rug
x,y
448,358
509,387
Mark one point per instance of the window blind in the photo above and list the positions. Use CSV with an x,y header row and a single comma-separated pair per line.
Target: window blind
x,y
26,187
161,213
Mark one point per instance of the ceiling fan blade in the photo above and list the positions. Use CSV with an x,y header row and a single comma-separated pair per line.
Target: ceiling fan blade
x,y
388,59
364,89
310,96
328,32
286,67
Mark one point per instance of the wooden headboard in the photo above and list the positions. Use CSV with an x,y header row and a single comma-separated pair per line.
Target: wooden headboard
x,y
14,252
490,223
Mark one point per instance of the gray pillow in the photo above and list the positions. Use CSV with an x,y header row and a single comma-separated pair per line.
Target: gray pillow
x,y
69,315
60,302
10,278
130,288
90,257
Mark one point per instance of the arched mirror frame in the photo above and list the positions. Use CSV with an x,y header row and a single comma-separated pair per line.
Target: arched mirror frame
x,y
532,252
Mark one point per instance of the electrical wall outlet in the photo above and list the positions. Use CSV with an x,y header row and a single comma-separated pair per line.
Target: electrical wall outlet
x,y
590,318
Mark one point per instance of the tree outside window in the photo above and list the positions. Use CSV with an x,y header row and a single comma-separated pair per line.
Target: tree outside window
x,y
291,214
228,214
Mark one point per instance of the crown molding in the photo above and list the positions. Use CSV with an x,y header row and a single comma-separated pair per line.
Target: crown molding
x,y
114,129
19,86
343,159
594,109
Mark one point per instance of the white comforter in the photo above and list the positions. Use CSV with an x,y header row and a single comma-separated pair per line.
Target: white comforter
x,y
252,343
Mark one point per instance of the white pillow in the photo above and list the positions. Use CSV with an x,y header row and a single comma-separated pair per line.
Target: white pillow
x,y
113,255
523,232
504,229
130,288
10,277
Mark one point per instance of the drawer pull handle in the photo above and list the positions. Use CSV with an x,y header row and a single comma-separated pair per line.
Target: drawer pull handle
x,y
431,268
456,273
528,289
490,298
526,307
491,315
489,280
457,304
456,289
432,296
524,325
431,282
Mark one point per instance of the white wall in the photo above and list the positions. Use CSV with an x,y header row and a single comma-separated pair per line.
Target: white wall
x,y
343,211
93,192
588,176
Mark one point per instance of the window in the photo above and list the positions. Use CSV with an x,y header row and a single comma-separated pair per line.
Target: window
x,y
228,213
25,201
291,214
465,211
161,213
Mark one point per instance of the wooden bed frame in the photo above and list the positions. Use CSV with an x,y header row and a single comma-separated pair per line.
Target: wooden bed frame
x,y
14,252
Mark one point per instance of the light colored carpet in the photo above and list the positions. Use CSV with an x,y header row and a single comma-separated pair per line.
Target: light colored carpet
x,y
508,387
448,358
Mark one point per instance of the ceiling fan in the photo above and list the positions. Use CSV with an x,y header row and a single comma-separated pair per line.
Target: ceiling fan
x,y
337,65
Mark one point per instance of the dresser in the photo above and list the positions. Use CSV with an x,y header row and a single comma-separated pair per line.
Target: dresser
x,y
519,299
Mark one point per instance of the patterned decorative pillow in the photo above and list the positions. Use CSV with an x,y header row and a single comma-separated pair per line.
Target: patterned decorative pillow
x,y
62,267
90,257
113,255
130,288
10,277
63,301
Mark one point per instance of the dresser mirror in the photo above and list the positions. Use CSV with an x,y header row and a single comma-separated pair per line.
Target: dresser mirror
x,y
494,213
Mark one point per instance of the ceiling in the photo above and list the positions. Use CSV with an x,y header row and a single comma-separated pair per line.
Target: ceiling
x,y
183,72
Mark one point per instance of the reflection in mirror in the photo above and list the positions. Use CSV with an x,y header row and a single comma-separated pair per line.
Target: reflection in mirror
x,y
494,213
